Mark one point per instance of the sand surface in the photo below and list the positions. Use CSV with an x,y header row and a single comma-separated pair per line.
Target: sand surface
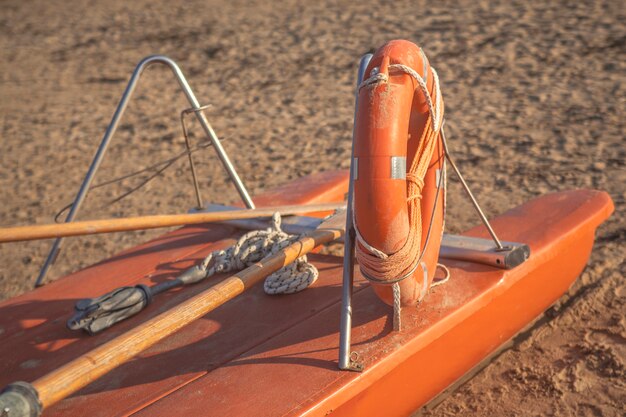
x,y
535,95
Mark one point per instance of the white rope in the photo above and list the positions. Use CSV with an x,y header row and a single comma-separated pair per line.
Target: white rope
x,y
434,109
444,279
397,307
361,239
256,245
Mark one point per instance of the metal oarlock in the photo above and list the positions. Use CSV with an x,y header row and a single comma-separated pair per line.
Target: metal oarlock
x,y
117,116
350,360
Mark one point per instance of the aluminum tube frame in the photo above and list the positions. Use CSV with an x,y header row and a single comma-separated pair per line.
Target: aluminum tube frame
x,y
117,116
346,361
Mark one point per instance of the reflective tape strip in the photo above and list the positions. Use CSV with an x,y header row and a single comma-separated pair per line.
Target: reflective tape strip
x,y
355,168
398,167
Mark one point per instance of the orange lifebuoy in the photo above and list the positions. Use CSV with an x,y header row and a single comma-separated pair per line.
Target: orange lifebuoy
x,y
398,168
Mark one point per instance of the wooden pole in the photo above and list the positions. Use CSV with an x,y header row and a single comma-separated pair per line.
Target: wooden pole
x,y
89,227
83,370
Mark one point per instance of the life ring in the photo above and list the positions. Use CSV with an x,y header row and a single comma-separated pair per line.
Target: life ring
x,y
399,173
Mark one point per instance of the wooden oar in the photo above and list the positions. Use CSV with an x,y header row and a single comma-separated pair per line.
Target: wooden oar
x,y
23,399
89,227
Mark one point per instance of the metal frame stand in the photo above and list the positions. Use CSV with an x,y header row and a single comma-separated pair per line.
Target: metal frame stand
x,y
117,116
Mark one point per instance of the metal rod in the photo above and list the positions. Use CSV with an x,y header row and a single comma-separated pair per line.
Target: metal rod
x,y
206,126
482,216
192,166
345,330
121,108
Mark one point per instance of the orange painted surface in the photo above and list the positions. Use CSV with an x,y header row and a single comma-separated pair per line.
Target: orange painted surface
x,y
266,356
390,122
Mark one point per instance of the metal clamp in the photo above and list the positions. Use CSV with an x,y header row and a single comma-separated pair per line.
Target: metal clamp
x,y
117,116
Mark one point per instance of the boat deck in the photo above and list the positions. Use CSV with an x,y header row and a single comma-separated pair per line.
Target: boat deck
x,y
277,356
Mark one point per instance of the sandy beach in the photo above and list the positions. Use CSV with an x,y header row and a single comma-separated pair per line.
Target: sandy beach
x,y
535,97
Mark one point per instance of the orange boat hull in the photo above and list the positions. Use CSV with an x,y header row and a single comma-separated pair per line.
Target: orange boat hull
x,y
268,356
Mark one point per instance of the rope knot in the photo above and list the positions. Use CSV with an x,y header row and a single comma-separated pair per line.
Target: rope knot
x,y
413,178
276,222
253,247
374,79
415,192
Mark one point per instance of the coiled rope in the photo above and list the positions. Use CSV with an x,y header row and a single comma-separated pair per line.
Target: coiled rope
x,y
252,247
97,314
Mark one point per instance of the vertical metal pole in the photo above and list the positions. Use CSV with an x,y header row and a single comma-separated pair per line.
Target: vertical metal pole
x,y
345,330
121,108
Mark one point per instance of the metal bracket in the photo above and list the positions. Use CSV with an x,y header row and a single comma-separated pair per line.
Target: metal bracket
x,y
117,116
483,251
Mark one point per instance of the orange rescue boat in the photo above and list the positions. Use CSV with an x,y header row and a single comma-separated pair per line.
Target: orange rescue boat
x,y
278,355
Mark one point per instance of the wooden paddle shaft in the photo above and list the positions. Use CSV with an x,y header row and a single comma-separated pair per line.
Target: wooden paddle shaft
x,y
48,231
71,377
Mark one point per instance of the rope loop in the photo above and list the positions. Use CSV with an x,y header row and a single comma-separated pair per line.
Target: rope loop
x,y
375,78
